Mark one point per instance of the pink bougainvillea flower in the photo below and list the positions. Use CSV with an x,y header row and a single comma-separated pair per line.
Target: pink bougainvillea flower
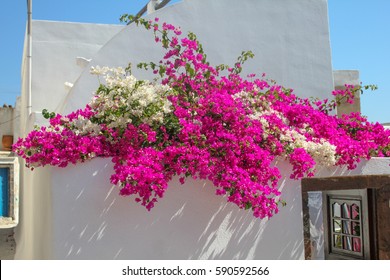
x,y
203,122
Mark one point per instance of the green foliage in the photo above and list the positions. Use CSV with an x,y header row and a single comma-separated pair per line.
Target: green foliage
x,y
48,115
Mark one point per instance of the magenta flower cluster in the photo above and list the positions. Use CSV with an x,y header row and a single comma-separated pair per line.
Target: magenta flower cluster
x,y
216,126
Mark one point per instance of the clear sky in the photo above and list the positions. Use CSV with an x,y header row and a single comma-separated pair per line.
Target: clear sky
x,y
359,34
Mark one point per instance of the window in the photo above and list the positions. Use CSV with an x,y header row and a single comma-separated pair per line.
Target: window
x,y
4,192
9,190
355,214
346,224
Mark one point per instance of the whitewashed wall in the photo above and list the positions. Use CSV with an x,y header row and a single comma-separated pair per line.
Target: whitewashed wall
x,y
56,45
190,222
290,40
89,220
74,213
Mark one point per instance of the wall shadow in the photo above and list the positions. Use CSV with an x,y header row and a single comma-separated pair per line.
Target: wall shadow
x,y
91,221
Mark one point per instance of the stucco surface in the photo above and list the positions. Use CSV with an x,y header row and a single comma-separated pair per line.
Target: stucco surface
x,y
74,213
290,40
91,221
190,222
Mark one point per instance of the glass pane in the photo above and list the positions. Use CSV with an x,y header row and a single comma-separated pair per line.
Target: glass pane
x,y
337,241
347,243
337,226
346,211
346,227
357,247
355,212
336,210
356,228
4,192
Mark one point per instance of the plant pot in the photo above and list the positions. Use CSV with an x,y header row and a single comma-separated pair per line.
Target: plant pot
x,y
7,142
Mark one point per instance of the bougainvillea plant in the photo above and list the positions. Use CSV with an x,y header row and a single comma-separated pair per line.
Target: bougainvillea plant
x,y
202,121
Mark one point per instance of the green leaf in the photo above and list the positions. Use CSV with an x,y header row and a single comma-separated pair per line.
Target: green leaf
x,y
248,205
162,70
48,115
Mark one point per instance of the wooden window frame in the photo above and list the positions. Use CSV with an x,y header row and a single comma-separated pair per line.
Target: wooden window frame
x,y
364,220
378,193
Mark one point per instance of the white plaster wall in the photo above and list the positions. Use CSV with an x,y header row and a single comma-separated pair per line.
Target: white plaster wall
x,y
74,213
33,234
290,40
55,48
16,118
56,45
91,221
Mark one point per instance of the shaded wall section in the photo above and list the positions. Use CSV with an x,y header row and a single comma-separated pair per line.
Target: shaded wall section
x,y
91,221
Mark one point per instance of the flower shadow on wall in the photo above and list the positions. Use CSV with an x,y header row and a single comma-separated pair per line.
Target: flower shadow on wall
x,y
205,122
189,223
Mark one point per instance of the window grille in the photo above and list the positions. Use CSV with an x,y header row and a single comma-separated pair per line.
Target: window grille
x,y
345,222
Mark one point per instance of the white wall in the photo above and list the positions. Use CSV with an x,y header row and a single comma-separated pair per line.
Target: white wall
x,y
74,213
91,221
33,234
55,48
56,45
290,40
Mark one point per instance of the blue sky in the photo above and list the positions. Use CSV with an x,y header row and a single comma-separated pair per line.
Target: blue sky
x,y
359,34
